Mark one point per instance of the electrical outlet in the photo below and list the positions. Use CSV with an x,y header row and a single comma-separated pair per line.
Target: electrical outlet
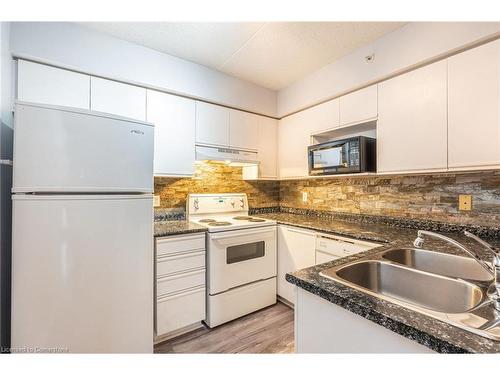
x,y
156,201
465,202
304,196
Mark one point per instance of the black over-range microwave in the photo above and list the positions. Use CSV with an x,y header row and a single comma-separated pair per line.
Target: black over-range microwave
x,y
351,155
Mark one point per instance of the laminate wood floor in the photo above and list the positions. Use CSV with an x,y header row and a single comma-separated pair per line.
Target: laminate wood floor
x,y
269,330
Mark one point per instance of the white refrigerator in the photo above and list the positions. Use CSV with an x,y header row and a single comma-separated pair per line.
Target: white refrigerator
x,y
82,240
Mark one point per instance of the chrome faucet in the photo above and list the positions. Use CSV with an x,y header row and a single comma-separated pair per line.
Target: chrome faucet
x,y
493,268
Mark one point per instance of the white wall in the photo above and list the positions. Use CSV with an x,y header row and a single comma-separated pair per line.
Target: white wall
x,y
413,44
76,47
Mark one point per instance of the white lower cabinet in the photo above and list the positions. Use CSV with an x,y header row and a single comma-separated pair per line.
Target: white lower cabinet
x,y
177,311
188,280
301,248
180,283
180,263
324,327
295,251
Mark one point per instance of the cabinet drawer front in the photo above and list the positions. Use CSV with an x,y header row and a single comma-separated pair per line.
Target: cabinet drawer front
x,y
180,244
177,283
180,263
179,311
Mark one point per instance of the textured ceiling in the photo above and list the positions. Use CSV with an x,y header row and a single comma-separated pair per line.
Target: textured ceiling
x,y
272,54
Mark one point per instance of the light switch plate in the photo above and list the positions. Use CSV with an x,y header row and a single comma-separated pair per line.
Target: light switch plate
x,y
304,197
465,202
156,201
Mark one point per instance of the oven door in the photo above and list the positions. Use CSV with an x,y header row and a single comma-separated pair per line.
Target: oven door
x,y
240,257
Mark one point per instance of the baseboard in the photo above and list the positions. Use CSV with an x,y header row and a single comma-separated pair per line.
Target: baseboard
x,y
178,332
286,302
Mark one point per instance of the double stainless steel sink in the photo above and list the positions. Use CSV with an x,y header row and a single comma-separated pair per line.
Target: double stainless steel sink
x,y
451,288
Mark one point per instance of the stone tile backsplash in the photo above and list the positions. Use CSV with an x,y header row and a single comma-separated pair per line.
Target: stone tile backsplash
x,y
215,177
429,197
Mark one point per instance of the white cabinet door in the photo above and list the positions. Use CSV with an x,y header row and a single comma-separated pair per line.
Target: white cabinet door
x,y
322,117
324,327
243,130
293,140
39,83
412,121
268,147
295,251
212,124
474,108
359,106
174,121
118,98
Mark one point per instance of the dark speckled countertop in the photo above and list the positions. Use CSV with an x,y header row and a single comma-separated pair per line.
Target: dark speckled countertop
x,y
174,227
436,335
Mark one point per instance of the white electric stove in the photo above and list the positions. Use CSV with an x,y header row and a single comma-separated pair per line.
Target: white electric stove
x,y
241,256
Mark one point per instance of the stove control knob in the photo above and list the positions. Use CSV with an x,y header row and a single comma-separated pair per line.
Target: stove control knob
x,y
196,204
242,203
232,204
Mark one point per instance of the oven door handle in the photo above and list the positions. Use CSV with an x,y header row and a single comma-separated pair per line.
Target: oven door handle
x,y
243,232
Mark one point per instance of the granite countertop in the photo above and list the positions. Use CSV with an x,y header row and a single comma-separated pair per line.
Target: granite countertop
x,y
436,335
173,227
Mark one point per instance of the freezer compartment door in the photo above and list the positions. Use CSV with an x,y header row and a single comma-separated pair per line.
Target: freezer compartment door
x,y
61,149
82,273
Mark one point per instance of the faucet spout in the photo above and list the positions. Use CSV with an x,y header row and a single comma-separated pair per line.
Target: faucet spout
x,y
493,268
419,242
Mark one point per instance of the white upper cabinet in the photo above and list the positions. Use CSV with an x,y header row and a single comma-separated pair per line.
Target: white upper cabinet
x,y
322,117
174,121
412,121
212,124
118,98
293,140
243,130
359,106
474,108
268,147
294,136
48,85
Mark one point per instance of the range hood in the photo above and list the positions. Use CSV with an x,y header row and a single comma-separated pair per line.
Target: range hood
x,y
234,156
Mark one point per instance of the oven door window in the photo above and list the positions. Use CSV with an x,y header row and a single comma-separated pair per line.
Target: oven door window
x,y
327,158
247,251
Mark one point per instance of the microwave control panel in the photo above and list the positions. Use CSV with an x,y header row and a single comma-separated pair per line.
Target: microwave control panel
x,y
353,154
